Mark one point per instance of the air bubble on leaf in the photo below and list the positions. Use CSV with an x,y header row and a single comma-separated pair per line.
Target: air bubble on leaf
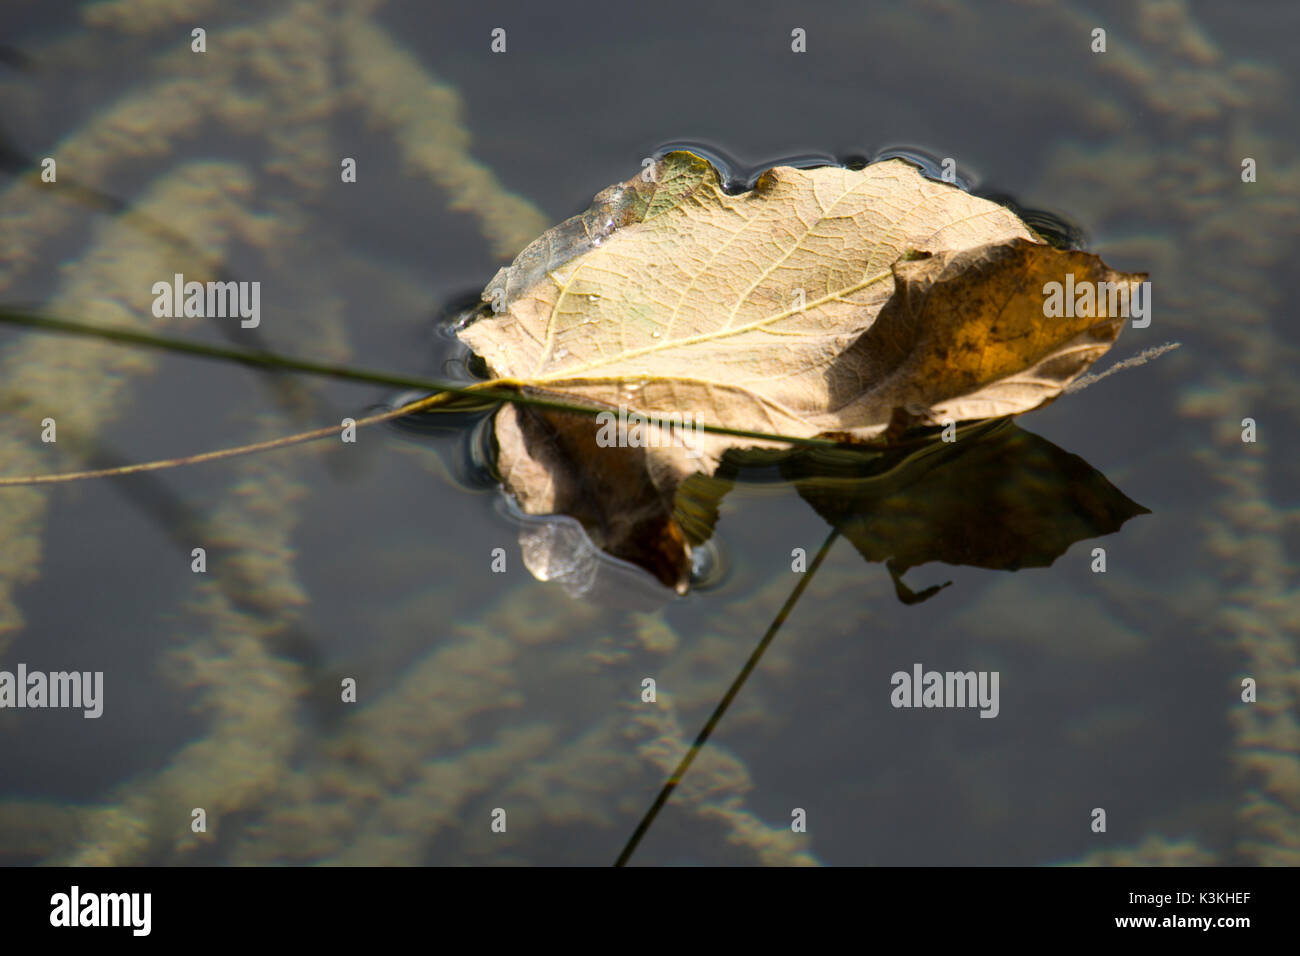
x,y
709,566
558,549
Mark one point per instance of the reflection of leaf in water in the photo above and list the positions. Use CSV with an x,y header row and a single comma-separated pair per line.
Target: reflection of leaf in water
x,y
824,302
1004,499
1000,498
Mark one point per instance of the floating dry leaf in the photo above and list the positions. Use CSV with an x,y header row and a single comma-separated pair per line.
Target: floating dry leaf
x,y
826,301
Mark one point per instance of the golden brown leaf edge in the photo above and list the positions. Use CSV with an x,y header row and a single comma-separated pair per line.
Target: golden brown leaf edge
x,y
823,302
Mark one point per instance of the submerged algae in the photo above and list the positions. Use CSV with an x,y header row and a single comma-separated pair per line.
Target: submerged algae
x,y
401,769
455,731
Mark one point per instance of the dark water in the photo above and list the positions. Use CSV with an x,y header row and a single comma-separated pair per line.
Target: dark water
x,y
479,690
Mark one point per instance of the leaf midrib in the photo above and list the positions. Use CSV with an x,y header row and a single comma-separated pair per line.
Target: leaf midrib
x,y
714,335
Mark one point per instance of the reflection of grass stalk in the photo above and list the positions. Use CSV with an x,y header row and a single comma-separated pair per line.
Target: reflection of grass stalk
x,y
219,454
496,390
693,751
489,393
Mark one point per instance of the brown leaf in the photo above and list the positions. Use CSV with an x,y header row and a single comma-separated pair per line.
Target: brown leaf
x,y
823,302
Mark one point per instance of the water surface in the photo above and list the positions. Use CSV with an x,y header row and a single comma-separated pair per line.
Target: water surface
x,y
479,690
